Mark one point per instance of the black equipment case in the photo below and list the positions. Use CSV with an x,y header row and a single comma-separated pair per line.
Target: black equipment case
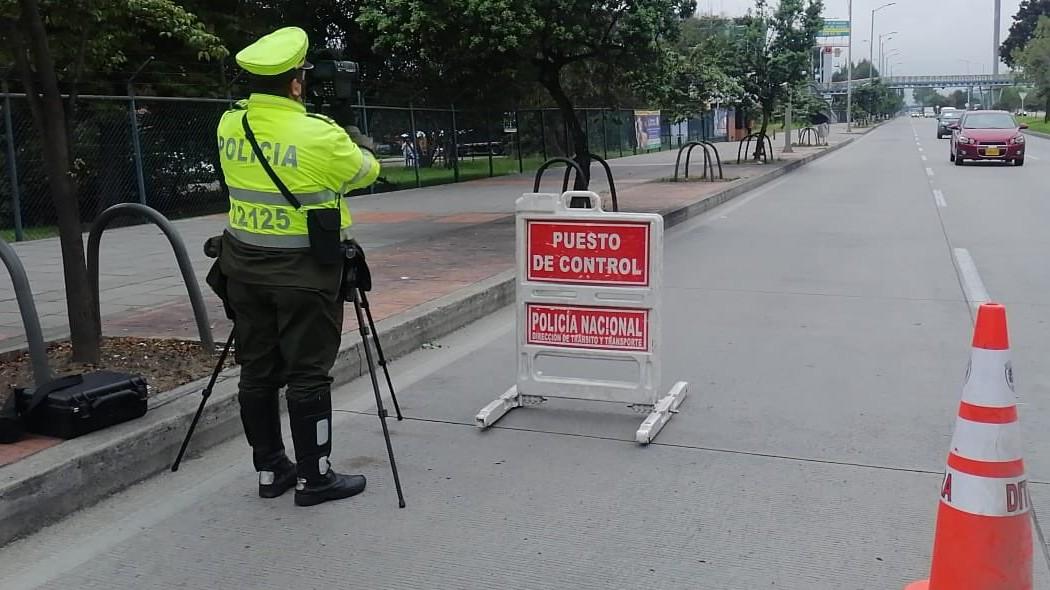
x,y
71,406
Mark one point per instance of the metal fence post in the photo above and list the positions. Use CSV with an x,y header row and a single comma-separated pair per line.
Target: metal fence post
x,y
364,128
488,129
619,136
415,143
587,128
565,134
605,136
543,135
136,145
635,142
517,141
12,166
455,146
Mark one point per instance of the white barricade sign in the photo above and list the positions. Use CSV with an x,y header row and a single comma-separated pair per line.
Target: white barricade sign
x,y
588,310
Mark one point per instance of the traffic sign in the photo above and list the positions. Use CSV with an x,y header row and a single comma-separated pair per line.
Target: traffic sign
x,y
600,328
588,295
588,253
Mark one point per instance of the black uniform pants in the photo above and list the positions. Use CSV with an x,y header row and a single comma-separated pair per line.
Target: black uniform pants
x,y
285,337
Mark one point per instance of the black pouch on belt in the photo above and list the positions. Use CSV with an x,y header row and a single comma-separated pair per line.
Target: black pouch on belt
x,y
323,227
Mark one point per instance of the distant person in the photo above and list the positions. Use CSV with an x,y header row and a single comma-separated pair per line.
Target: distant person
x,y
640,134
408,152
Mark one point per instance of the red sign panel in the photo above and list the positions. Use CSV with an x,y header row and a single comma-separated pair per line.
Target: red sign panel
x,y
588,252
603,328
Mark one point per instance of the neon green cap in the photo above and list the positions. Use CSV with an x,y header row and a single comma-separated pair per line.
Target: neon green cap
x,y
281,51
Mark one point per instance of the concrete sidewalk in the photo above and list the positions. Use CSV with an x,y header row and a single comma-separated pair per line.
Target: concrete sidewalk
x,y
422,244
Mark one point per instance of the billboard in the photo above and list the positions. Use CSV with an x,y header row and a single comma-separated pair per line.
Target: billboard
x,y
834,28
647,129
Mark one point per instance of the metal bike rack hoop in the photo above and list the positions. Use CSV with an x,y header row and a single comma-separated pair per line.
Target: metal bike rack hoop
x,y
200,312
27,309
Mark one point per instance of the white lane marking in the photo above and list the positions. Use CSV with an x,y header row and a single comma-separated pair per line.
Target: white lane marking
x,y
929,171
973,286
1031,157
923,157
938,196
920,149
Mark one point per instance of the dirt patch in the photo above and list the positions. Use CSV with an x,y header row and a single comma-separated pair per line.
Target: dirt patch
x,y
166,364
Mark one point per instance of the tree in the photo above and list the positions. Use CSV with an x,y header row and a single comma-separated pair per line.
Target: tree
x,y
1034,61
1023,29
861,71
690,72
53,42
502,44
958,99
683,84
925,96
877,100
1009,99
772,53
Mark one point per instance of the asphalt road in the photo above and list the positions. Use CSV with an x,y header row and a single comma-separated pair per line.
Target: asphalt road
x,y
823,325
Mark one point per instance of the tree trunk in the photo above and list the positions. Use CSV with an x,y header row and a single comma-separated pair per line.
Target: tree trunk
x,y
1046,109
760,149
550,78
49,118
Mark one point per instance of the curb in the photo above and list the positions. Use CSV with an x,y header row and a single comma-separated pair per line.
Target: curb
x,y
55,482
1039,134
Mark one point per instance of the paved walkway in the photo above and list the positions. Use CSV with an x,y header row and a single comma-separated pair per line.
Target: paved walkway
x,y
422,244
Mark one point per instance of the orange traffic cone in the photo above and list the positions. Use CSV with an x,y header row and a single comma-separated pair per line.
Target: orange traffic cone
x,y
983,539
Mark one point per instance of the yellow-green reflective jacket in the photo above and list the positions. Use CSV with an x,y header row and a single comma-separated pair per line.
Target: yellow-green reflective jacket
x,y
311,154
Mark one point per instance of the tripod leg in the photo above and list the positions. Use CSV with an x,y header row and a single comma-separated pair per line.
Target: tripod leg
x,y
204,400
379,398
379,353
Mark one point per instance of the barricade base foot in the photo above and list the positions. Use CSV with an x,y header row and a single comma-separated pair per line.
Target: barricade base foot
x,y
662,412
491,413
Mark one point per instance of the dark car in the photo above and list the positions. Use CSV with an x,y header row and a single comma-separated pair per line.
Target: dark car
x,y
945,120
987,135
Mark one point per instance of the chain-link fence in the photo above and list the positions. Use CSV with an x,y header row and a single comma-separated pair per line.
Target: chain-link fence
x,y
161,151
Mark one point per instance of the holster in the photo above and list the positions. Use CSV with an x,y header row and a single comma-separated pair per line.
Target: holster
x,y
216,279
323,227
356,274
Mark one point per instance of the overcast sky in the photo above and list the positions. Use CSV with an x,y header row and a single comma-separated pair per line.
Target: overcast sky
x,y
933,36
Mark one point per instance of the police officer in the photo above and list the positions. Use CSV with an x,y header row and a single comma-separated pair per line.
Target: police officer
x,y
283,290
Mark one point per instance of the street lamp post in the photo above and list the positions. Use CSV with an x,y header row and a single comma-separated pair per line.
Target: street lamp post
x,y
969,89
871,39
883,38
884,62
849,70
882,48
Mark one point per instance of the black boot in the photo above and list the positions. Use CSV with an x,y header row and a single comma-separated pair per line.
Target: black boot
x,y
277,479
311,419
330,486
260,415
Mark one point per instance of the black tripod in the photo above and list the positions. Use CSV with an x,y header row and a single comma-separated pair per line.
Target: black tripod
x,y
361,303
204,400
379,348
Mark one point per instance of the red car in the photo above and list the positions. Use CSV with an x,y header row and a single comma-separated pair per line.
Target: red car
x,y
987,135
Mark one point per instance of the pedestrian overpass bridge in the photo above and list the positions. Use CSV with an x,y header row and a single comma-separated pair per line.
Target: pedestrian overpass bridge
x,y
948,81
